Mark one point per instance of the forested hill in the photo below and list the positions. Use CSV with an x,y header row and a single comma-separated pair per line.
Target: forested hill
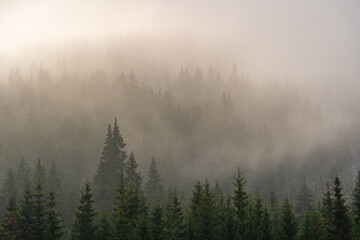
x,y
203,124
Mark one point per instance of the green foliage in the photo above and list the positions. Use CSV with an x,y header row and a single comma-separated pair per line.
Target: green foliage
x,y
241,205
355,203
288,224
83,227
153,189
54,222
39,226
174,226
157,223
304,200
27,214
266,228
10,229
103,231
340,225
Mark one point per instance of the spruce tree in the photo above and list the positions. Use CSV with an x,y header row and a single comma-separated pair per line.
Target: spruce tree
x,y
266,229
54,182
193,227
304,200
10,229
227,224
8,191
157,223
316,225
40,173
174,228
274,214
27,214
39,203
23,175
132,175
207,214
340,228
54,223
122,228
241,205
326,210
355,203
257,217
288,223
154,189
103,231
83,227
305,230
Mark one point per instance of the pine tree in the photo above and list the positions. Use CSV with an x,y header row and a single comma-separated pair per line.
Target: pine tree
x,y
54,222
288,224
266,226
340,227
227,224
274,214
117,146
83,227
10,229
193,227
257,217
207,214
305,231
157,223
304,200
154,189
241,205
326,210
27,214
40,173
8,190
103,231
39,212
133,176
355,203
122,228
316,225
23,175
174,228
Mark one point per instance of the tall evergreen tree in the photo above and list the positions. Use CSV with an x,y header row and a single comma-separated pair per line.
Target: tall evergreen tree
x,y
266,226
54,223
193,227
174,228
23,175
154,189
10,229
122,228
326,210
132,175
227,224
54,182
207,214
27,214
305,230
274,214
39,212
340,227
316,225
304,199
355,203
8,190
157,223
83,227
288,224
103,231
241,205
39,173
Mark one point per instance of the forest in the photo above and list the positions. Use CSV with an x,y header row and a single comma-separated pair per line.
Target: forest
x,y
179,120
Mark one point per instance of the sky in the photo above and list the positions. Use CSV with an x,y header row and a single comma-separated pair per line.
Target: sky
x,y
279,38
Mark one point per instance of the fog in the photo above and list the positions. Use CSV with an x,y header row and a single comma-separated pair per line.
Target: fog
x,y
202,86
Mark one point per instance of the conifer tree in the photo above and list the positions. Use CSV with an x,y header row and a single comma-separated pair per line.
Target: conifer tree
x,y
304,199
23,175
8,190
340,228
39,203
355,203
39,173
10,229
227,224
266,226
154,189
274,214
157,223
316,225
174,228
241,205
207,214
122,228
54,181
288,224
83,227
305,231
27,214
257,217
326,210
193,227
54,223
133,176
103,231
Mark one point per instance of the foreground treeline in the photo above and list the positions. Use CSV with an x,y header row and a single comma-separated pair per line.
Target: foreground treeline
x,y
119,206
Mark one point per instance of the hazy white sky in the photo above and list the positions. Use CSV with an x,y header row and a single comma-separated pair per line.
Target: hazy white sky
x,y
278,36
